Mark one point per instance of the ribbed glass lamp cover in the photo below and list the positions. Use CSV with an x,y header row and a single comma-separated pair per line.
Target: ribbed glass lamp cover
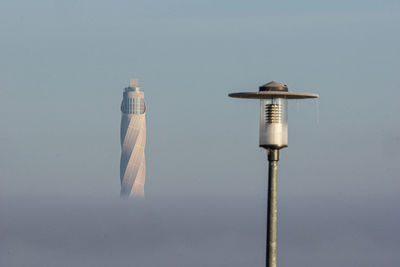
x,y
273,123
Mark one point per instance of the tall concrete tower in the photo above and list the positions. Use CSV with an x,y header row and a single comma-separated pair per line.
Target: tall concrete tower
x,y
133,141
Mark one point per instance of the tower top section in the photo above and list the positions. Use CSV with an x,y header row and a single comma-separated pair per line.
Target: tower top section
x,y
133,82
133,86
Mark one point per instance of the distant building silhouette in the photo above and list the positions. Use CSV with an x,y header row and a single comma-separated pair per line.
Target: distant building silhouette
x,y
133,141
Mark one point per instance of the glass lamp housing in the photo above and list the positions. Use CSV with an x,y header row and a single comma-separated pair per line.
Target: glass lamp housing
x,y
273,112
273,123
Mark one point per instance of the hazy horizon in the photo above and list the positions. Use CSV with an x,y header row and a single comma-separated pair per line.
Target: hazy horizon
x,y
196,231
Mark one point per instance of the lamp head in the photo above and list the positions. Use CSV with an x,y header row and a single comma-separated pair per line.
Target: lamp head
x,y
273,112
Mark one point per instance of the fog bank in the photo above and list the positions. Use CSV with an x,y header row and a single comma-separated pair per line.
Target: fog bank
x,y
195,231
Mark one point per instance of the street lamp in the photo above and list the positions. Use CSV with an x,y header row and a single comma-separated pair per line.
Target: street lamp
x,y
273,136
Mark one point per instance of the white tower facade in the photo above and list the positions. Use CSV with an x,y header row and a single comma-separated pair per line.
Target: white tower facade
x,y
133,141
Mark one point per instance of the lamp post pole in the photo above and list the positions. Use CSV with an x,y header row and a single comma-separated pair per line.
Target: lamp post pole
x,y
273,157
273,98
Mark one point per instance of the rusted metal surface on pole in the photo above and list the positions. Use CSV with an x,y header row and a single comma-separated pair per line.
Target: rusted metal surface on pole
x,y
273,157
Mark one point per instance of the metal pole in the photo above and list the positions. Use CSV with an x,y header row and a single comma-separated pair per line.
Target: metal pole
x,y
273,157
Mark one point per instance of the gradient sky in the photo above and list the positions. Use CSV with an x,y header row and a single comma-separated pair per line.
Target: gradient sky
x,y
64,65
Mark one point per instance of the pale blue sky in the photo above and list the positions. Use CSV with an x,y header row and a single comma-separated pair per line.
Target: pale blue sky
x,y
64,65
